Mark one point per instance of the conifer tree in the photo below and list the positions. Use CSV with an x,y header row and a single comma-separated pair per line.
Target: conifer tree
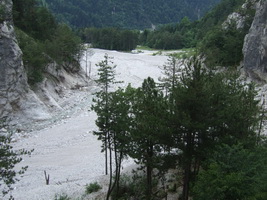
x,y
149,128
121,118
171,72
102,107
211,109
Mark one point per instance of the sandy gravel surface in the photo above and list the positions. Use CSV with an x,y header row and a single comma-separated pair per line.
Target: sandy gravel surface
x,y
66,147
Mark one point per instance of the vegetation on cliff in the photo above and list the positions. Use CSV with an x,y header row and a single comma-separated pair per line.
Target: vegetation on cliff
x,y
42,39
221,44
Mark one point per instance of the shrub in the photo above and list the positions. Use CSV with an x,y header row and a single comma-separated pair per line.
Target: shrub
x,y
33,57
131,187
62,197
92,187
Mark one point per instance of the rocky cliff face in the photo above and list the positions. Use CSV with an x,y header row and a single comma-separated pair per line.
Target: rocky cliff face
x,y
18,102
255,46
13,81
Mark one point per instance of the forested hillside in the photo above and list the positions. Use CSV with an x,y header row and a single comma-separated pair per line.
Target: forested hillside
x,y
217,36
137,14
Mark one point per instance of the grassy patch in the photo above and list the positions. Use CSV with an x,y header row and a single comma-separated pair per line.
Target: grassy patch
x,y
139,47
92,187
62,197
185,53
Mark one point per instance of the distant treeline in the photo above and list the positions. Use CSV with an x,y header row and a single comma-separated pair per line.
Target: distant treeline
x,y
111,38
130,14
221,46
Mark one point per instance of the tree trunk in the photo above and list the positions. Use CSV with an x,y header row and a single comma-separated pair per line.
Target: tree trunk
x,y
110,168
149,170
149,182
106,156
188,154
187,172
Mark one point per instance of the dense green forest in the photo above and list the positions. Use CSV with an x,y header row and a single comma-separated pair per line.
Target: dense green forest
x,y
43,40
131,14
110,38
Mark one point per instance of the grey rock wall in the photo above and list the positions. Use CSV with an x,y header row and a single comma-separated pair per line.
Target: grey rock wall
x,y
13,80
255,46
17,101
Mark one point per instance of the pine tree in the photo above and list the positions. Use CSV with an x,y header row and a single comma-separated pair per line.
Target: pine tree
x,y
103,109
211,109
121,118
171,72
149,128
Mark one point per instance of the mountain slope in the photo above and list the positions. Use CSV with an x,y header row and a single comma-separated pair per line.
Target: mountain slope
x,y
127,13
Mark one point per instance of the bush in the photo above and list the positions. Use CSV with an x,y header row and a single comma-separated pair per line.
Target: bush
x,y
33,57
233,172
131,187
92,187
62,197
223,46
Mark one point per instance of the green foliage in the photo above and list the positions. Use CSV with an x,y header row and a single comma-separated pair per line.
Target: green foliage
x,y
218,15
9,158
42,40
233,172
130,187
171,36
33,57
185,53
148,133
211,109
199,112
171,73
130,14
101,106
111,38
92,187
107,130
223,46
62,197
141,48
36,21
64,47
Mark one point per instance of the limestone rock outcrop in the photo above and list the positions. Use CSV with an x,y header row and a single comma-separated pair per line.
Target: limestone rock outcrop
x,y
14,90
13,82
18,102
255,45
